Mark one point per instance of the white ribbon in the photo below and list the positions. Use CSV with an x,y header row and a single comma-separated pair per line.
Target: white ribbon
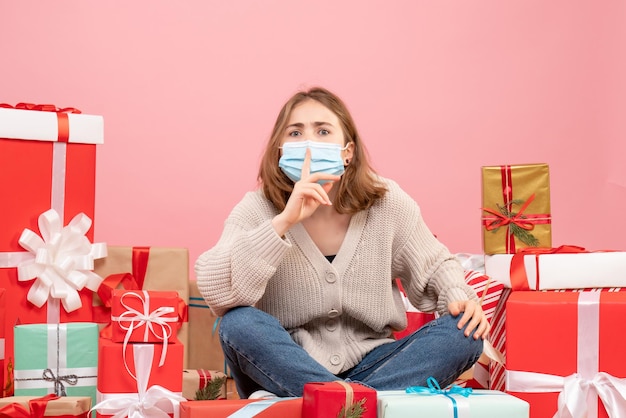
x,y
153,402
574,391
254,408
138,319
579,392
60,260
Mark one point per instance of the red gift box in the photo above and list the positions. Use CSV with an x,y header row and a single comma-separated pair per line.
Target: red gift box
x,y
2,315
145,316
138,374
259,408
39,172
326,399
561,343
117,362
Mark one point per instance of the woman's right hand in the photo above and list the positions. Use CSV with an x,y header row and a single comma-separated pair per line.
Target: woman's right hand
x,y
306,197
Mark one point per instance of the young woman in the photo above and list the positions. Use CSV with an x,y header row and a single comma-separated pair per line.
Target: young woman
x,y
304,272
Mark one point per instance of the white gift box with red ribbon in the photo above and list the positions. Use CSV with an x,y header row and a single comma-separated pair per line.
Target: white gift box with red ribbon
x,y
562,270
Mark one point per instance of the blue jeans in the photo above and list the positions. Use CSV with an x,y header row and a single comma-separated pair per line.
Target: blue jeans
x,y
262,355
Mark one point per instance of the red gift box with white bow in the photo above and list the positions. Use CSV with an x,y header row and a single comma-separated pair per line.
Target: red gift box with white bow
x,y
47,172
145,316
564,352
132,376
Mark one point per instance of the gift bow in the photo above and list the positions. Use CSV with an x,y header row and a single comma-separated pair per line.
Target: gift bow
x,y
574,390
37,408
153,402
518,218
60,260
151,320
433,388
40,107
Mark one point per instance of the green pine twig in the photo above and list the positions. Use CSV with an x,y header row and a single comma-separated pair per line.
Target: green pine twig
x,y
212,390
356,410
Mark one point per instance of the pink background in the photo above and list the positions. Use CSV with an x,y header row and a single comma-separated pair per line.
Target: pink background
x,y
190,89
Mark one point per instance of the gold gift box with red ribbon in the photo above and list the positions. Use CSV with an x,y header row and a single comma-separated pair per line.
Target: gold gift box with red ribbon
x,y
516,208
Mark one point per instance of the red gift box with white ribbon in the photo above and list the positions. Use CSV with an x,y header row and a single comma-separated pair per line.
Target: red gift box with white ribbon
x,y
135,376
145,316
565,353
47,171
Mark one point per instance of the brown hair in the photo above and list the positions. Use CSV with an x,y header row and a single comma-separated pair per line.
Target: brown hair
x,y
358,188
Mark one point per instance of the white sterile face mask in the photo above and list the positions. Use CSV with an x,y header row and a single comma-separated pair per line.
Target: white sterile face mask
x,y
325,158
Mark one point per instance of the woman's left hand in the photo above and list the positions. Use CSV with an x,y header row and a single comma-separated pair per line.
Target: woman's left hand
x,y
473,316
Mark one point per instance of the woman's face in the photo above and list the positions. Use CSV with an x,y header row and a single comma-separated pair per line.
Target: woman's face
x,y
313,121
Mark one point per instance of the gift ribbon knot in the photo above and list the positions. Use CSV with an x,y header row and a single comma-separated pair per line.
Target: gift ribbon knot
x,y
517,218
433,388
149,402
151,320
60,260
59,388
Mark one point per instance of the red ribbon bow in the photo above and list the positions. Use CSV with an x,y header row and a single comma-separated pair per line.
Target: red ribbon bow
x,y
518,219
37,408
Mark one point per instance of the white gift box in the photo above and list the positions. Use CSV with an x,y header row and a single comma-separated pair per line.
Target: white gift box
x,y
563,271
480,403
39,125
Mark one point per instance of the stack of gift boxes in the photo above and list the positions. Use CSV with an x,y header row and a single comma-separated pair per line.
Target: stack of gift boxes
x,y
61,344
557,323
89,329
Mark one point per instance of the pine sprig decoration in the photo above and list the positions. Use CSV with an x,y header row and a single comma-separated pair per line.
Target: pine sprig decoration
x,y
520,233
356,410
212,390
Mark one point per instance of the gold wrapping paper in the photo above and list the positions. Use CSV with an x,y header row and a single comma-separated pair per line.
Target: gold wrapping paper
x,y
167,269
205,350
65,405
195,379
526,180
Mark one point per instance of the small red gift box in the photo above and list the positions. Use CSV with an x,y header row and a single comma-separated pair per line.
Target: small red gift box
x,y
565,348
145,316
117,366
327,399
259,408
138,374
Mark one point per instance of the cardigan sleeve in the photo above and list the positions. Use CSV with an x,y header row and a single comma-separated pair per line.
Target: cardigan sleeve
x,y
236,270
430,274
